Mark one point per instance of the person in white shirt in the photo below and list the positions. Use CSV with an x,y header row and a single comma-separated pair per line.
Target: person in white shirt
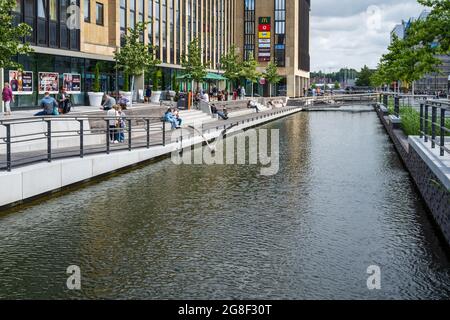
x,y
205,97
113,115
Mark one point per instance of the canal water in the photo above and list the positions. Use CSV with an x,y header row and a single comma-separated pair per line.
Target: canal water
x,y
341,202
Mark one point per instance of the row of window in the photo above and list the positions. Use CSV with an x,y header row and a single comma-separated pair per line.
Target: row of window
x,y
99,12
50,23
167,16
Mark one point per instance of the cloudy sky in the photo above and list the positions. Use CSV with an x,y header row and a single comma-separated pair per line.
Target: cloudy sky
x,y
351,33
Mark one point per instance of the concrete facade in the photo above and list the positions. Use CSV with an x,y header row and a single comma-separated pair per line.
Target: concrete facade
x,y
296,39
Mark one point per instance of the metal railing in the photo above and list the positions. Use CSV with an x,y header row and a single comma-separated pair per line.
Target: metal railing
x,y
402,100
137,132
437,124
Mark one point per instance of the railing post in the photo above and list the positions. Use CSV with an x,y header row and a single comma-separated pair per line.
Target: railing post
x,y
421,120
129,134
164,134
426,122
8,147
433,126
442,132
49,140
81,138
108,140
148,133
397,106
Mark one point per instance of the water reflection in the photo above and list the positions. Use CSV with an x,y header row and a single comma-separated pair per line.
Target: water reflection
x,y
342,201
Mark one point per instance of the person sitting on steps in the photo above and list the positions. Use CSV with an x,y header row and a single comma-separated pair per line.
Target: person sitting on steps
x,y
252,104
169,117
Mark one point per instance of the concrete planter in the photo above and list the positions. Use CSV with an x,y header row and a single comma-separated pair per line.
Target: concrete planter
x,y
128,95
156,96
95,99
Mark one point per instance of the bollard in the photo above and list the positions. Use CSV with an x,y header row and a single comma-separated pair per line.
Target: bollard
x,y
397,106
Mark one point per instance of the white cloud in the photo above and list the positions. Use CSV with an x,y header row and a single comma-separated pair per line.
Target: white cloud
x,y
349,33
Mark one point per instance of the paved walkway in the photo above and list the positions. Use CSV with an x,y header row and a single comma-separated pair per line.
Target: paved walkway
x,y
156,139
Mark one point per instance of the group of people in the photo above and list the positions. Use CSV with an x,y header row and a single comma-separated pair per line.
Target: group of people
x,y
172,116
109,102
53,107
239,92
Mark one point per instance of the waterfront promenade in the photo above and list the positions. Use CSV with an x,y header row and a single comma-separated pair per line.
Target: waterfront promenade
x,y
51,169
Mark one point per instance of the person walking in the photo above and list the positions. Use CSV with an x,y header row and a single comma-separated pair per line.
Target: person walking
x,y
243,93
7,97
148,94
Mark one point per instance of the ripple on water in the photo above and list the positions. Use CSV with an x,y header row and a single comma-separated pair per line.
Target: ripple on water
x,y
342,201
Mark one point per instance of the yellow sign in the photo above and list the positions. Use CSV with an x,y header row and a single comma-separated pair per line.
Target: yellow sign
x,y
264,35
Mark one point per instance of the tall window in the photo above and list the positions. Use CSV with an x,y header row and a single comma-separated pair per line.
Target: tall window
x,y
178,19
157,29
150,20
141,16
53,22
172,31
249,28
42,27
304,59
87,10
164,29
99,18
280,32
123,20
132,13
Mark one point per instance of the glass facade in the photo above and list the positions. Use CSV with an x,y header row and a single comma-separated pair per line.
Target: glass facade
x,y
280,32
61,64
249,28
48,21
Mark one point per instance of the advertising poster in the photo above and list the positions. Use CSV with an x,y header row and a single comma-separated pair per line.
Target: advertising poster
x,y
72,83
21,82
48,82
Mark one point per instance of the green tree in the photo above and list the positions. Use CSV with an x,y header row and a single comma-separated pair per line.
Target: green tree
x,y
135,57
364,78
434,31
11,36
156,76
96,86
231,64
337,85
272,75
249,72
126,82
192,62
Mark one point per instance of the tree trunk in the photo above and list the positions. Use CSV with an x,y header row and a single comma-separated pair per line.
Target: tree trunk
x,y
132,88
270,90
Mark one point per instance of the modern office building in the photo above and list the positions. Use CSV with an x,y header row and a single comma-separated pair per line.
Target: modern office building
x,y
277,30
71,37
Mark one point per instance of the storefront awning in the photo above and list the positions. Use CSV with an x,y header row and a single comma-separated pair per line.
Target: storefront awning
x,y
209,77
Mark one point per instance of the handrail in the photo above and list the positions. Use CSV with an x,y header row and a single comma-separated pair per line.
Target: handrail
x,y
146,130
438,128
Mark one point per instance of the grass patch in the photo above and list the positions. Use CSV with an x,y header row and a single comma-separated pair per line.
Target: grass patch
x,y
411,120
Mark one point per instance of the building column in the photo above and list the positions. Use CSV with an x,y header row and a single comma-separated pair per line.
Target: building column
x,y
139,85
290,81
